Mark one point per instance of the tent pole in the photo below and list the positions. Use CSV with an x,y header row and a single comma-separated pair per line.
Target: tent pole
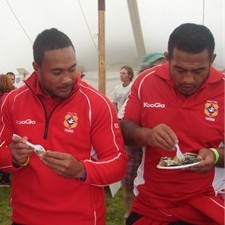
x,y
101,45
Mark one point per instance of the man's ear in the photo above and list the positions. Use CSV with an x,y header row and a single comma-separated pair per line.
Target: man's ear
x,y
166,54
36,67
213,58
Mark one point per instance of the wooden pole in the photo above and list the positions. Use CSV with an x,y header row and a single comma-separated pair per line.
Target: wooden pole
x,y
203,12
101,45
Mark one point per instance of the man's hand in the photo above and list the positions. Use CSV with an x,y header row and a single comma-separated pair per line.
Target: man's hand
x,y
208,161
162,136
64,164
20,151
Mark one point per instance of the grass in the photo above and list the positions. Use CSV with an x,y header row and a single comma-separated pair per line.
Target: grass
x,y
114,216
5,210
115,208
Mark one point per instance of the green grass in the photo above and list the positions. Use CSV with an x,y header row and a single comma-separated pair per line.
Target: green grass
x,y
5,210
115,210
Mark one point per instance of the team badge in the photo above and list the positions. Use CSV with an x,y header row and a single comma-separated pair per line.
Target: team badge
x,y
211,109
70,121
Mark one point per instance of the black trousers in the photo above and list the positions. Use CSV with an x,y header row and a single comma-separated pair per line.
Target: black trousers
x,y
133,217
180,223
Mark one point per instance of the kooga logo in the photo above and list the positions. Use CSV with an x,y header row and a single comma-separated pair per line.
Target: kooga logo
x,y
154,105
27,121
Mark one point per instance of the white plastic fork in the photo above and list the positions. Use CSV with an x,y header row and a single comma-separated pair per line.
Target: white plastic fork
x,y
38,149
179,154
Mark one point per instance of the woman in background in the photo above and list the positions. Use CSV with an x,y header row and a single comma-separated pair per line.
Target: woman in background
x,y
5,87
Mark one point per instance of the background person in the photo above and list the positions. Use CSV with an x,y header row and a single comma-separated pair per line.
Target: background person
x,y
152,59
5,87
121,91
11,76
119,96
69,118
135,154
182,101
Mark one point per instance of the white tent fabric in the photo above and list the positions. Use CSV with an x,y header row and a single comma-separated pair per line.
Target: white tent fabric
x,y
22,20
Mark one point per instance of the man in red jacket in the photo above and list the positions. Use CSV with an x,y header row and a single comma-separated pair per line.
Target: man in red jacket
x,y
182,102
79,130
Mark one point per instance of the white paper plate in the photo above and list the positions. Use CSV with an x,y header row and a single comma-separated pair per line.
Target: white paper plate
x,y
177,167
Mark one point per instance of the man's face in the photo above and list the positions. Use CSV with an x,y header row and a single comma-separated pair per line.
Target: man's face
x,y
11,77
189,71
124,76
57,73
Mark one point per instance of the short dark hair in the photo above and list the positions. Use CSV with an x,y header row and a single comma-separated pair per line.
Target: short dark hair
x,y
129,70
11,73
49,39
191,38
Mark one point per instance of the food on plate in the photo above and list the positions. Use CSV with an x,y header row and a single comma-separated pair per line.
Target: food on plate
x,y
189,158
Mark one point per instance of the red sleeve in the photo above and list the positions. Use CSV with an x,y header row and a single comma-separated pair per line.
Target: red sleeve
x,y
109,159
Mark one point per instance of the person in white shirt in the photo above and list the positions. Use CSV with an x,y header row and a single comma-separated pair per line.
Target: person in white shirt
x,y
122,90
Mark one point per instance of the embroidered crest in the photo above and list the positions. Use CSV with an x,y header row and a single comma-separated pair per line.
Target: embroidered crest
x,y
211,109
70,121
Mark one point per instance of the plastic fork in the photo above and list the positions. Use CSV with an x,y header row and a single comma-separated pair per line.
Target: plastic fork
x,y
179,154
38,149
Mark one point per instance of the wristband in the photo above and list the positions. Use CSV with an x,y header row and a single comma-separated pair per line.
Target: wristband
x,y
216,155
26,163
84,175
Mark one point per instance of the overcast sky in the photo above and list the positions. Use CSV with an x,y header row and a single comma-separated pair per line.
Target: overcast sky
x,y
22,20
